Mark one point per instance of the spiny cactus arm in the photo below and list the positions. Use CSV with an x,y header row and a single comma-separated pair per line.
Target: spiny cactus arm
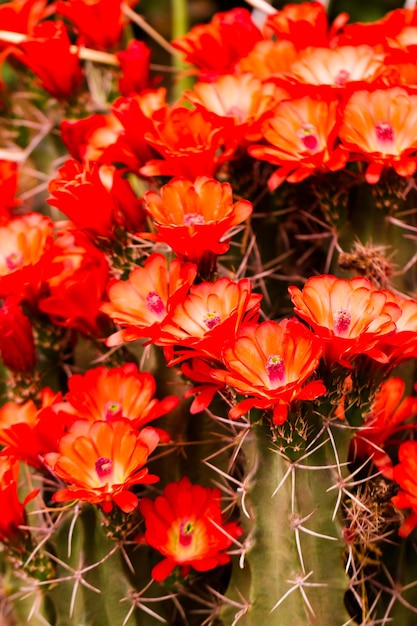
x,y
294,571
93,580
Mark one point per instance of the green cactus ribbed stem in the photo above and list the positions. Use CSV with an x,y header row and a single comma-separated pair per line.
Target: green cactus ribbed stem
x,y
89,546
274,563
180,18
180,26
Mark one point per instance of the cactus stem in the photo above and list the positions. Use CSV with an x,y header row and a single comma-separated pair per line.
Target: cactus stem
x,y
287,550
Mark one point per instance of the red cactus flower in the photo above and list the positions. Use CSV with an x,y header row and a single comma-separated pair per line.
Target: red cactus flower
x,y
243,99
381,127
87,139
405,474
17,346
24,244
191,144
350,316
28,433
108,394
137,115
49,55
135,66
193,218
100,461
304,24
402,344
12,509
76,283
301,139
209,318
387,415
95,197
382,32
406,22
99,22
8,187
79,192
187,527
21,16
270,363
268,58
142,302
215,47
338,67
16,419
199,371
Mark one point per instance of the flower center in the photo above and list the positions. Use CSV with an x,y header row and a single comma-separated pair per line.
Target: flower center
x,y
237,113
211,319
308,136
384,132
342,78
14,260
275,368
341,321
103,466
186,533
154,303
190,219
112,410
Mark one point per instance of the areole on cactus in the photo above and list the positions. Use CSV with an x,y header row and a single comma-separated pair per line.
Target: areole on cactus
x,y
208,317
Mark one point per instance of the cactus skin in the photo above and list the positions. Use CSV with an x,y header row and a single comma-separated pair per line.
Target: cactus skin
x,y
90,607
66,600
279,555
